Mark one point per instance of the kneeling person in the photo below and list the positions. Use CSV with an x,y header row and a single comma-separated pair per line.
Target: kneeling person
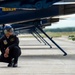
x,y
9,45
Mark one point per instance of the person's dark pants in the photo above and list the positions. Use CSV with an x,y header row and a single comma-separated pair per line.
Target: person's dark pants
x,y
15,52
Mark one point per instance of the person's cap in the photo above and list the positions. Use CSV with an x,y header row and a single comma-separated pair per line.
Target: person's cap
x,y
8,28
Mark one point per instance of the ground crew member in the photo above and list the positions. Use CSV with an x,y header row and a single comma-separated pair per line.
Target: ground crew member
x,y
9,45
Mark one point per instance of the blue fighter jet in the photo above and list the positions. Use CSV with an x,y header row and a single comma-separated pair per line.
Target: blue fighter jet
x,y
34,14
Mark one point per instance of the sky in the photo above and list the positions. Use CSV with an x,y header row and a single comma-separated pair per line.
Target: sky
x,y
69,21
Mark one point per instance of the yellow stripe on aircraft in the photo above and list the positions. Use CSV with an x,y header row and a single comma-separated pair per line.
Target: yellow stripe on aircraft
x,y
8,9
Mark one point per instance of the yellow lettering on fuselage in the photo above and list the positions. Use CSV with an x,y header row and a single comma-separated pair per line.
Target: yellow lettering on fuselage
x,y
8,9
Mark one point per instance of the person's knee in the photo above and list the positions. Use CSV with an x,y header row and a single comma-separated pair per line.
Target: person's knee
x,y
2,59
17,50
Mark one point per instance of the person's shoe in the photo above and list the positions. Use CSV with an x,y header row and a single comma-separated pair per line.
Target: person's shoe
x,y
15,65
10,65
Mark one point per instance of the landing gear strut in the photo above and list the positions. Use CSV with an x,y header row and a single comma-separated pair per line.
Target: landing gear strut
x,y
52,40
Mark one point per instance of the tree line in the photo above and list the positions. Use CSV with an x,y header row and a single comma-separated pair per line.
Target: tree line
x,y
68,29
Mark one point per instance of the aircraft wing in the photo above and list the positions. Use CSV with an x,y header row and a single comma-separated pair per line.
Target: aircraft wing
x,y
31,4
31,15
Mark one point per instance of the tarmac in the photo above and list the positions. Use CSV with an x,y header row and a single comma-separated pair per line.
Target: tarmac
x,y
38,59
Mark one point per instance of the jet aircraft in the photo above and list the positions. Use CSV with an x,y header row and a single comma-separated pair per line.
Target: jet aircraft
x,y
35,14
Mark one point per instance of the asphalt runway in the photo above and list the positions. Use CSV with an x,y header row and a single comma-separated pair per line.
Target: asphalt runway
x,y
38,59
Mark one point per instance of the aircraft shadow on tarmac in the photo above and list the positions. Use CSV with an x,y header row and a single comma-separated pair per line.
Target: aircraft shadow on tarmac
x,y
38,48
56,57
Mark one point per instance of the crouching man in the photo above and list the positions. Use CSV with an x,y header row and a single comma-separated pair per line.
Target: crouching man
x,y
9,46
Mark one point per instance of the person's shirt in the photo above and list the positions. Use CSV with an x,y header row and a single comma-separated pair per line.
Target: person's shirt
x,y
10,42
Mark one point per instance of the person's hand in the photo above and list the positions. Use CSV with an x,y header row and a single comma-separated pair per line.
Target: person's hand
x,y
6,55
7,50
